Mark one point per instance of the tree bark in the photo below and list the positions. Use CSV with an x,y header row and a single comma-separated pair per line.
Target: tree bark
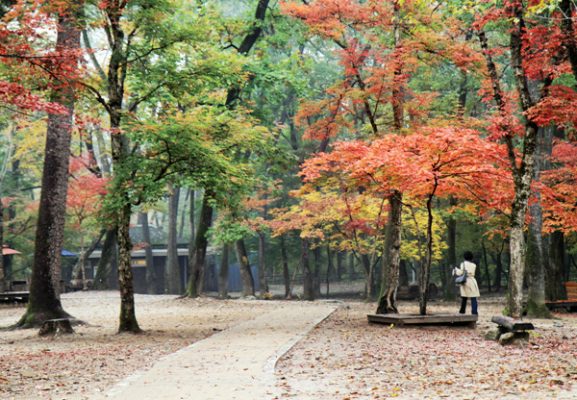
x,y
317,271
449,287
263,284
245,271
523,175
128,321
554,279
486,262
351,266
308,279
425,273
223,273
330,268
2,272
392,257
44,302
173,283
339,266
151,281
536,257
108,257
197,258
285,269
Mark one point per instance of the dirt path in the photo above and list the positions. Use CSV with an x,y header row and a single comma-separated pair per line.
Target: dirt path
x,y
238,363
95,358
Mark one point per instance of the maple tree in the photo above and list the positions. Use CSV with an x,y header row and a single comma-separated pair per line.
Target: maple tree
x,y
44,300
436,162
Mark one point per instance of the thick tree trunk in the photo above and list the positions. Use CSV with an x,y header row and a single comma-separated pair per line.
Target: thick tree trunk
x,y
536,256
151,281
245,271
197,258
173,283
308,279
223,273
285,269
44,302
523,172
263,284
392,257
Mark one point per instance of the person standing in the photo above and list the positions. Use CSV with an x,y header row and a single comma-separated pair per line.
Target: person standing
x,y
470,288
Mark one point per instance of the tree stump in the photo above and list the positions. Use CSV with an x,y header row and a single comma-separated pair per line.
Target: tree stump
x,y
56,327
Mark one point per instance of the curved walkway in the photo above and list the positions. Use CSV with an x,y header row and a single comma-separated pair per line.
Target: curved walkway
x,y
235,364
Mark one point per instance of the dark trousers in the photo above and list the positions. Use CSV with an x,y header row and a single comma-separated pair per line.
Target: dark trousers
x,y
464,305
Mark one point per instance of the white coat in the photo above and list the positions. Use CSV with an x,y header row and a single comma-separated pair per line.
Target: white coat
x,y
470,288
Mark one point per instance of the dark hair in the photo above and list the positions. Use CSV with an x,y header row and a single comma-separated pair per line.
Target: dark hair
x,y
468,256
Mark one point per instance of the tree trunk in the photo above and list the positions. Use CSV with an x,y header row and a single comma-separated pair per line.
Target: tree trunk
x,y
498,260
425,273
523,172
197,258
392,257
223,273
285,269
308,279
44,302
2,272
263,285
107,258
536,257
329,268
79,270
183,216
151,281
486,262
245,271
128,321
554,280
173,283
448,285
351,266
339,266
317,271
369,276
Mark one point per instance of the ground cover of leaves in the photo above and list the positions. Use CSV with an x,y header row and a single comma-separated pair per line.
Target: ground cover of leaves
x,y
95,357
345,358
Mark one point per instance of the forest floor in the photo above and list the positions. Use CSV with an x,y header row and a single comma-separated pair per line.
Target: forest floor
x,y
342,358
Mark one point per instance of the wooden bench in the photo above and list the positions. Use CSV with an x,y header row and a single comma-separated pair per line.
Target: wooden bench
x,y
570,304
511,329
14,297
